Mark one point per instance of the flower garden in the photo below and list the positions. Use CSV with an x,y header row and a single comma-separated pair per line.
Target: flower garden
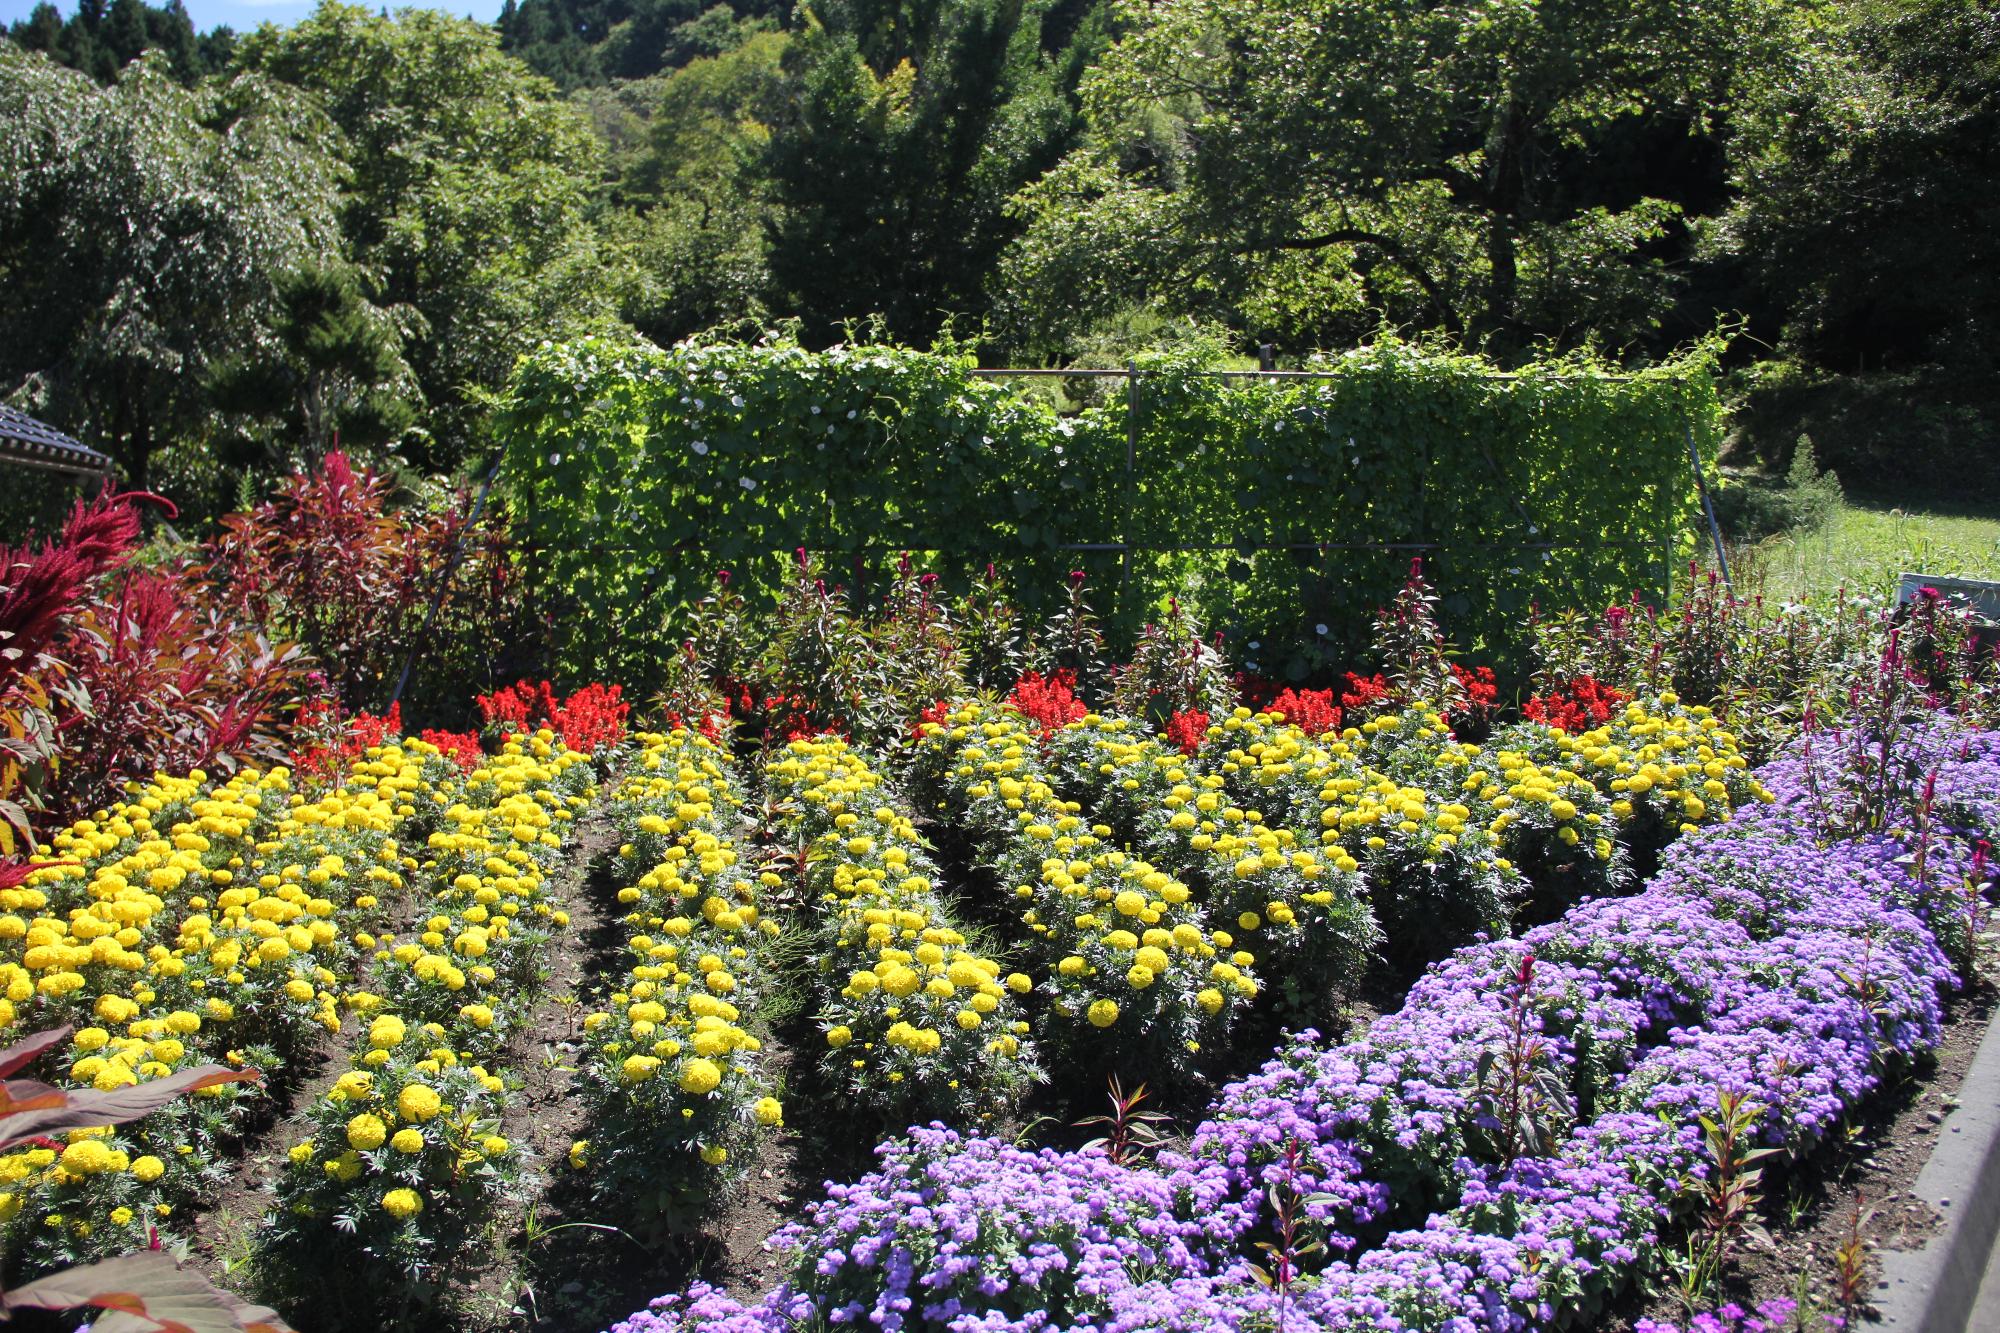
x,y
788,996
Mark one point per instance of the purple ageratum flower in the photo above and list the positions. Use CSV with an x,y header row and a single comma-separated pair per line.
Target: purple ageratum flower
x,y
952,1230
1756,961
1772,1316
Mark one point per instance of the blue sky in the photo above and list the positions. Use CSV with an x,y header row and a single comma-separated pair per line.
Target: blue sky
x,y
241,14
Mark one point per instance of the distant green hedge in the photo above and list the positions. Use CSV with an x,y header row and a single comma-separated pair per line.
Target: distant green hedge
x,y
635,473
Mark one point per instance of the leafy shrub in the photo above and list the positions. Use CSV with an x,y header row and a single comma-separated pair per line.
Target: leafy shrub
x,y
173,685
112,673
326,561
42,586
1174,671
704,454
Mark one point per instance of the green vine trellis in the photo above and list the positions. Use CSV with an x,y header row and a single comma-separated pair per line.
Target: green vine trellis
x,y
1287,508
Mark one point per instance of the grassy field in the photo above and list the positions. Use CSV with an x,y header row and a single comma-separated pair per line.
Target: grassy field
x,y
1869,540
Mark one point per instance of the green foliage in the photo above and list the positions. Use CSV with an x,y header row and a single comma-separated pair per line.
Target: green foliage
x,y
1506,173
1930,428
334,373
908,128
693,253
1072,641
1174,669
143,231
1867,209
466,193
635,471
100,40
580,43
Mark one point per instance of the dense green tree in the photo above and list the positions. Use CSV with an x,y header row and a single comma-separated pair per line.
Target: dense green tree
x,y
583,43
908,126
101,40
1503,170
144,231
693,251
465,206
330,372
1868,205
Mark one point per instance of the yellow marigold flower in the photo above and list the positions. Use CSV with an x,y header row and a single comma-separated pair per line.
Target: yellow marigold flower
x,y
366,1132
404,1203
301,1153
1209,998
1102,1013
417,1102
1140,976
579,1154
700,1076
493,1145
715,1154
768,1111
839,1036
148,1169
408,1141
86,1158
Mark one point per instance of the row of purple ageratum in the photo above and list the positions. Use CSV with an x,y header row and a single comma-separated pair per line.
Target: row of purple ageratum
x,y
1506,1152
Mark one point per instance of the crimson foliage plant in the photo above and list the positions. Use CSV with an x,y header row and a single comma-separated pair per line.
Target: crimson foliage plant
x,y
39,587
108,673
326,561
163,680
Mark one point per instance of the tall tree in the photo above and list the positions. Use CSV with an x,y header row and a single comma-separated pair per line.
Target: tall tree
x,y
693,249
1868,205
100,41
331,372
909,125
1503,169
144,229
466,196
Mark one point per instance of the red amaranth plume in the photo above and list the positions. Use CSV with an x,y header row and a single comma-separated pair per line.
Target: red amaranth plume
x,y
339,472
39,587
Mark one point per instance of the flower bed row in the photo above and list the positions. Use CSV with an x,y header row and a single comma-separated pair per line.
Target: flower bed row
x,y
918,1021
1300,907
195,922
1134,972
672,1079
1453,838
405,1159
1517,1144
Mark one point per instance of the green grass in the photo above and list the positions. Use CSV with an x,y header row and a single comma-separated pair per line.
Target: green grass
x,y
1869,540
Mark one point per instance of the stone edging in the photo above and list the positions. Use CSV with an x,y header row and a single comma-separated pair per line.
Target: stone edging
x,y
1932,1289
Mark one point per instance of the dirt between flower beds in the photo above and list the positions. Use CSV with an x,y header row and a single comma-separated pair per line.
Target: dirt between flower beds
x,y
1894,1138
